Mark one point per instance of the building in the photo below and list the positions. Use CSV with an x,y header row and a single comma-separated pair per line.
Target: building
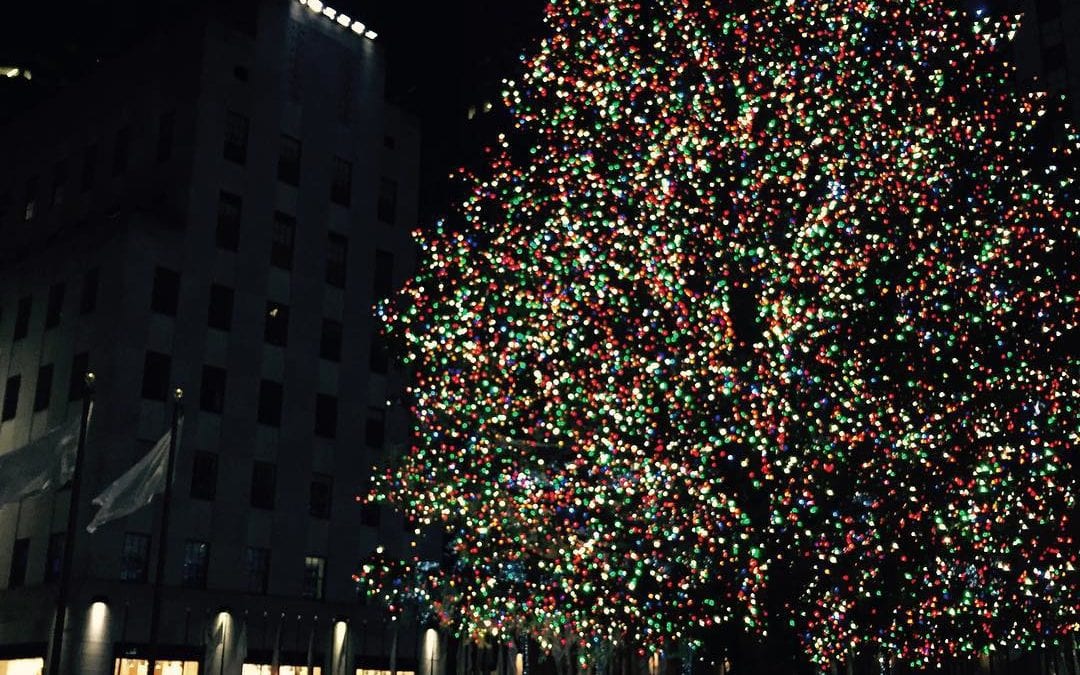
x,y
1047,49
217,211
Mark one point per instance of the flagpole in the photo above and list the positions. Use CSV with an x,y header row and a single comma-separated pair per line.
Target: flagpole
x,y
163,538
63,593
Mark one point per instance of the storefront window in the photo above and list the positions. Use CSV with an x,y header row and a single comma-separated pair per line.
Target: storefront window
x,y
139,667
265,669
22,667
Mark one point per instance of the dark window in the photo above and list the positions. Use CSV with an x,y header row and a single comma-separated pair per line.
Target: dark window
x,y
341,182
166,130
276,331
212,391
120,151
270,395
383,282
330,343
228,221
11,398
204,471
43,390
220,311
337,255
369,515
165,295
135,557
258,570
288,165
20,557
22,317
80,365
282,241
236,137
326,416
155,383
263,485
54,557
89,167
196,561
314,575
321,496
30,203
55,306
388,189
60,177
375,430
379,358
88,301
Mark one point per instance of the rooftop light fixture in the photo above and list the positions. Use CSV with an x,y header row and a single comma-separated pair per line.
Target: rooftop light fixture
x,y
343,20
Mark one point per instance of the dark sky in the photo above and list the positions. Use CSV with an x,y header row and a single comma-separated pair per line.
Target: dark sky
x,y
442,56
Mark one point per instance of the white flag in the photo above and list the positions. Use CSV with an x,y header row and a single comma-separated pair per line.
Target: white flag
x,y
44,464
137,487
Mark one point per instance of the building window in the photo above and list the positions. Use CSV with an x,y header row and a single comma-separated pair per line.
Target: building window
x,y
120,151
22,318
89,167
166,130
314,575
11,398
375,429
155,383
276,331
43,390
341,182
330,342
20,558
379,358
196,561
204,472
258,570
212,391
320,496
282,241
383,281
220,311
60,177
288,166
80,365
55,306
337,255
263,485
369,515
387,207
165,295
54,557
88,300
236,137
227,235
326,416
135,557
270,395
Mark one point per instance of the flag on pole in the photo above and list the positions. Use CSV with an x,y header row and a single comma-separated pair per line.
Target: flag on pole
x,y
44,464
137,487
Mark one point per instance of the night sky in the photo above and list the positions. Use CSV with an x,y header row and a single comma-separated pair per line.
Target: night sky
x,y
442,57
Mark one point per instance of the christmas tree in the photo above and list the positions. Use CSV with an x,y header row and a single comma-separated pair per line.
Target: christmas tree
x,y
760,314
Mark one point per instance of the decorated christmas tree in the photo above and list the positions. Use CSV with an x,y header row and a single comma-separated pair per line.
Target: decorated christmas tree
x,y
759,315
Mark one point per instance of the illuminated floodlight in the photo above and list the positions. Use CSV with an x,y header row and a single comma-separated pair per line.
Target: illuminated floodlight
x,y
371,35
358,27
344,20
315,5
9,72
302,2
329,13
